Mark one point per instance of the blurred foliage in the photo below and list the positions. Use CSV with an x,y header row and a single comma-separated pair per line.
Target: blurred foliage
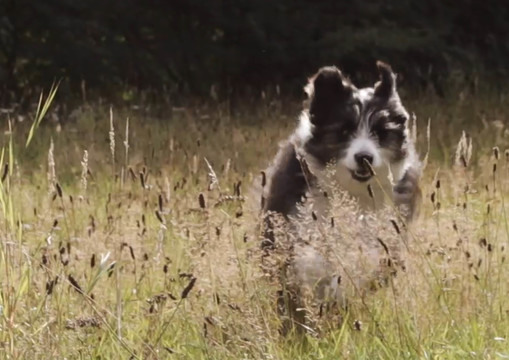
x,y
187,46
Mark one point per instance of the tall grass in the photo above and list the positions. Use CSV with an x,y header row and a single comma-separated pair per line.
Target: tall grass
x,y
151,251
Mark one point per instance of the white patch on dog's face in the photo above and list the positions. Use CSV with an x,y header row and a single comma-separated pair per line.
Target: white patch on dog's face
x,y
365,94
362,144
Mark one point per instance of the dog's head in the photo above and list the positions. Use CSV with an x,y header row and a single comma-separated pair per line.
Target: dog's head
x,y
358,129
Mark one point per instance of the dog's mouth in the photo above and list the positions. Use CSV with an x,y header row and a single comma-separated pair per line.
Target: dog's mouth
x,y
361,175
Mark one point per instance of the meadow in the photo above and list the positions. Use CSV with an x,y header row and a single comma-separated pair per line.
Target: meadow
x,y
131,232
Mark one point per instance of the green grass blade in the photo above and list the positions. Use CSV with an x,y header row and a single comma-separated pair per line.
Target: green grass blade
x,y
42,109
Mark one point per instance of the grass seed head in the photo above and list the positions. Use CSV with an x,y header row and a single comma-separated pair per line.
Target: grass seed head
x,y
188,288
52,177
84,171
112,136
201,201
496,152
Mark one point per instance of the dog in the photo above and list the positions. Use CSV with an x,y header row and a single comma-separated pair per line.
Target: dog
x,y
363,135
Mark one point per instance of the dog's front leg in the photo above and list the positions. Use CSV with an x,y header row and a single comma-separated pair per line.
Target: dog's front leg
x,y
407,194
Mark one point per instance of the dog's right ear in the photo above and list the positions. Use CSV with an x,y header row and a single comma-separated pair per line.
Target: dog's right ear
x,y
327,89
387,84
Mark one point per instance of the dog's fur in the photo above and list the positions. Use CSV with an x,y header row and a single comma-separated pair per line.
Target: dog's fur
x,y
361,133
363,136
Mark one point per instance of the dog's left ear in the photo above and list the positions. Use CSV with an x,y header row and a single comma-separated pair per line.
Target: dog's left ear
x,y
328,90
387,84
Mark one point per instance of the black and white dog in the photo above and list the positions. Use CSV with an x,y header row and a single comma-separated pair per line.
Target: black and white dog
x,y
363,136
362,133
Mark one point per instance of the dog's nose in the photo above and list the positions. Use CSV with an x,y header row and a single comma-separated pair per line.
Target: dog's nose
x,y
363,157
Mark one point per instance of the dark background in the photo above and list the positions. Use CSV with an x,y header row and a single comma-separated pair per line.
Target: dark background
x,y
241,46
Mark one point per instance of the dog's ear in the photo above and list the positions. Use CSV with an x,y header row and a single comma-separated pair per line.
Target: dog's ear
x,y
387,84
327,90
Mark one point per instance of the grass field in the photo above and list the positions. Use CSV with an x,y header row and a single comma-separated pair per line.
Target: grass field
x,y
116,244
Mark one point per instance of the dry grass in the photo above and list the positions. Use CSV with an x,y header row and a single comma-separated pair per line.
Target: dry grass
x,y
140,248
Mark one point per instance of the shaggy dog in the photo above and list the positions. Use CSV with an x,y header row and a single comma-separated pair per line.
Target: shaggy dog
x,y
360,133
363,135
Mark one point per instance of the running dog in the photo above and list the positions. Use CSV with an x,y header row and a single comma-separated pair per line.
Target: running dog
x,y
361,133
363,136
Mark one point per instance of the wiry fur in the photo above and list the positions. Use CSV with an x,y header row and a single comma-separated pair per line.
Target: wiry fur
x,y
340,123
363,136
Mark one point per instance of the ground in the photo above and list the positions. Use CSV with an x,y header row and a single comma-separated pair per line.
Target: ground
x,y
146,246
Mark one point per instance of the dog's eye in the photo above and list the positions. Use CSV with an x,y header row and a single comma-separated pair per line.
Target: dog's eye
x,y
399,119
345,131
390,125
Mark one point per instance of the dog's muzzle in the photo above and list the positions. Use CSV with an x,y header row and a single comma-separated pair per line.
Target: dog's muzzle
x,y
361,175
364,170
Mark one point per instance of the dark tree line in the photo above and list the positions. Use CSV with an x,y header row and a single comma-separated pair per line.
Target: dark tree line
x,y
188,45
